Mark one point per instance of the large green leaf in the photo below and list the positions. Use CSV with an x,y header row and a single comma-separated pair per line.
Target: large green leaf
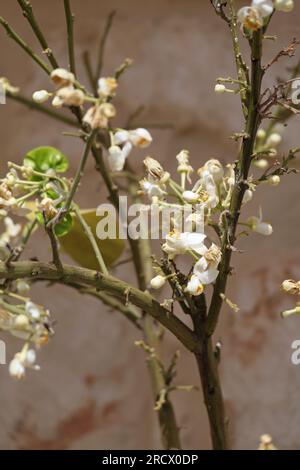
x,y
77,245
42,159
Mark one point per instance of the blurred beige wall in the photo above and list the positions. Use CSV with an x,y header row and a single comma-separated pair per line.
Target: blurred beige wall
x,y
93,390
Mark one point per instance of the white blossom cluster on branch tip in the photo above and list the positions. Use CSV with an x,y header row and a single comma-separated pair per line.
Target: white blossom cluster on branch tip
x,y
253,17
211,192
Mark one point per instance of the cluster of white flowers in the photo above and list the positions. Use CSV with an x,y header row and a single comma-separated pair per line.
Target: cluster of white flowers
x,y
23,360
206,200
27,321
69,93
252,17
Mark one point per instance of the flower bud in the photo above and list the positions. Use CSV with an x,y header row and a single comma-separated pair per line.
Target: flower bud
x,y
21,321
220,89
247,196
262,163
157,282
274,180
274,140
41,96
16,369
22,286
261,134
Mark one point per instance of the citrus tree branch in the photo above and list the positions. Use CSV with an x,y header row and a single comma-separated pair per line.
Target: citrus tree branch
x,y
104,283
29,103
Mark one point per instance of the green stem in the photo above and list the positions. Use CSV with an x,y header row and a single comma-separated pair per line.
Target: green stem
x,y
208,369
42,109
240,187
29,15
80,170
207,364
103,41
70,28
13,35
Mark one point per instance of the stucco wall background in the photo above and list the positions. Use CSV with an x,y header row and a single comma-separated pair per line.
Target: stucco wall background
x,y
93,390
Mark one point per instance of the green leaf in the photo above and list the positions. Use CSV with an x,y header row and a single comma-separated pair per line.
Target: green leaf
x,y
76,244
42,159
62,228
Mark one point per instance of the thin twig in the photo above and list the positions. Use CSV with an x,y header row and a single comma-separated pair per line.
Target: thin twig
x,y
54,246
42,109
88,67
29,15
70,29
13,35
104,37
80,170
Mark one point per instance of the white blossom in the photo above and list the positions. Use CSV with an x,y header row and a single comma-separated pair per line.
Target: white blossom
x,y
11,228
190,196
62,78
107,87
123,143
194,286
152,188
22,360
16,369
257,225
69,96
179,243
250,18
212,167
117,157
98,116
265,7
